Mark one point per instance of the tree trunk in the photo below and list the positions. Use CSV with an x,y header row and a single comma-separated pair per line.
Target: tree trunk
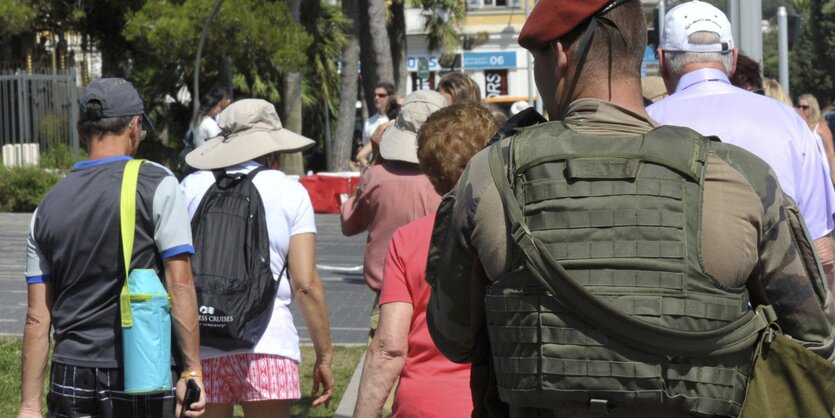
x,y
369,75
397,34
380,41
292,164
375,49
339,152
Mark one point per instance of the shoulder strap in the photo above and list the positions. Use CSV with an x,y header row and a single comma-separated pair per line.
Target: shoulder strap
x,y
127,220
224,180
736,336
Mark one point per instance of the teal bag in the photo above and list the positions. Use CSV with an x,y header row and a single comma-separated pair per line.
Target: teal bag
x,y
144,307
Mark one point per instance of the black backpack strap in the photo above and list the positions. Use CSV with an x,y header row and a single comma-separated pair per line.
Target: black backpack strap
x,y
730,338
225,180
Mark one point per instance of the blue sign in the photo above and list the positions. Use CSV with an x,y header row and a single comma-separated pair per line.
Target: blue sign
x,y
489,60
412,63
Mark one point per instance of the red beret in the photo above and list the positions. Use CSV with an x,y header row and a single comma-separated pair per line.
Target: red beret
x,y
551,19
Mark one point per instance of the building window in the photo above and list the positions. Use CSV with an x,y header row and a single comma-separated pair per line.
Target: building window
x,y
478,4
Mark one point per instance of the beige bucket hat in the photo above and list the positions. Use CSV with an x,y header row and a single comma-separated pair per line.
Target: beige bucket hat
x,y
399,142
250,128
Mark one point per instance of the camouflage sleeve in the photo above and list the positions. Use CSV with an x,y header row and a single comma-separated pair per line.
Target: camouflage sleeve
x,y
790,275
455,312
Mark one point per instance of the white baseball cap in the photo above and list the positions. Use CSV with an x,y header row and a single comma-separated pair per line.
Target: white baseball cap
x,y
696,16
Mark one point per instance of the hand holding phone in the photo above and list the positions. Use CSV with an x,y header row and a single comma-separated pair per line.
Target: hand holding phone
x,y
192,396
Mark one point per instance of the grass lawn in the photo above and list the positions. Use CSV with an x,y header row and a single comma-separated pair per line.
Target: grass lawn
x,y
344,362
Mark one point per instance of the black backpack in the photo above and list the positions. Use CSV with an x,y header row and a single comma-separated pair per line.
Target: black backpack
x,y
231,266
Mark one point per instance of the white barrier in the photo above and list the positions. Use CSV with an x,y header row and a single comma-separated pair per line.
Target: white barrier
x,y
19,155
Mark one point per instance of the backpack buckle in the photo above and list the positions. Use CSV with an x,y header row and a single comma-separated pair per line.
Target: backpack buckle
x,y
599,406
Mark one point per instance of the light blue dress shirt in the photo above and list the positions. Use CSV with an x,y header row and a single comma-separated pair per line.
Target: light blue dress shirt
x,y
706,101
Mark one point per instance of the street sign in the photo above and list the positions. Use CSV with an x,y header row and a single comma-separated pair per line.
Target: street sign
x,y
489,60
423,68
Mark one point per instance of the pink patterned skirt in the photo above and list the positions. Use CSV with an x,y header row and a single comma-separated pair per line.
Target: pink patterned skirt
x,y
246,377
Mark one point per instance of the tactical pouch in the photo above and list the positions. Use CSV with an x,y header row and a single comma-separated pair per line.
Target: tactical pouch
x,y
789,381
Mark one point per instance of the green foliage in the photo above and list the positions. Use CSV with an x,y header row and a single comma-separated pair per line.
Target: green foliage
x,y
54,127
442,17
345,359
15,16
23,188
813,58
320,82
258,36
60,157
10,378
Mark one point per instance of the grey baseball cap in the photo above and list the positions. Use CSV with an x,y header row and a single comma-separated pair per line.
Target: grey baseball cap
x,y
117,97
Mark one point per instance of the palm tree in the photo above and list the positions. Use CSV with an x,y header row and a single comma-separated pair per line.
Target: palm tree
x,y
320,85
340,153
379,40
292,106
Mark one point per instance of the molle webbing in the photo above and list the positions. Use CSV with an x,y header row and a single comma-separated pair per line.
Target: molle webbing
x,y
635,318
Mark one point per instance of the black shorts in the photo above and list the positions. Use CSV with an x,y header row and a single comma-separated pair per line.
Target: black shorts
x,y
96,393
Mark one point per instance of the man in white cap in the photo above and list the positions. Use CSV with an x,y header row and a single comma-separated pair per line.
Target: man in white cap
x,y
262,376
696,57
393,193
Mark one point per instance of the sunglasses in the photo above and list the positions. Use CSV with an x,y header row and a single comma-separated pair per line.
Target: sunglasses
x,y
804,107
380,95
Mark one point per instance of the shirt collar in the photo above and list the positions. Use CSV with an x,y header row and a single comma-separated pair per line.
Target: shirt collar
x,y
595,116
700,76
101,161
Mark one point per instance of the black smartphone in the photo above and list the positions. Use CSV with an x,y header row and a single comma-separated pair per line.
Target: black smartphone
x,y
192,396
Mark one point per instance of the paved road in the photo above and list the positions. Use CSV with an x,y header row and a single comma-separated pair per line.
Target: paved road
x,y
349,300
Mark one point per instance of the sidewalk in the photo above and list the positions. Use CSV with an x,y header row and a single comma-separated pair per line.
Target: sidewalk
x,y
349,398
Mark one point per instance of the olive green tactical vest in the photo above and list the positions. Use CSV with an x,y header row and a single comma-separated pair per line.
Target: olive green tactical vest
x,y
622,216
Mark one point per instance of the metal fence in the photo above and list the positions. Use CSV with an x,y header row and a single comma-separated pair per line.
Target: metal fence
x,y
39,108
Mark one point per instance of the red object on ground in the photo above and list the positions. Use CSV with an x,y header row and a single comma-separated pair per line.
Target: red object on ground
x,y
325,189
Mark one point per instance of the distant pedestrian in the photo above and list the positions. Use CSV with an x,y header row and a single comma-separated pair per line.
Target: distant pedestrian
x,y
75,270
772,88
808,109
747,74
459,88
205,126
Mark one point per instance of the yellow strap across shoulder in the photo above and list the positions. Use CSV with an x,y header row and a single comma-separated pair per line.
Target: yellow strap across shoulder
x,y
127,219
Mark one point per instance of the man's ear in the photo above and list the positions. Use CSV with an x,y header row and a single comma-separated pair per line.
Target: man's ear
x,y
562,58
665,72
80,136
732,70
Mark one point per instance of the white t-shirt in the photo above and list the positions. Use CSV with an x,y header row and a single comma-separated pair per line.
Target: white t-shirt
x,y
208,129
371,125
289,212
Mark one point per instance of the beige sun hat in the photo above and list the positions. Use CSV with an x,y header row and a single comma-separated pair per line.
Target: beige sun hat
x,y
250,128
399,142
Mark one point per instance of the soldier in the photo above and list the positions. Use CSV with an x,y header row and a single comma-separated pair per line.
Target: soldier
x,y
637,232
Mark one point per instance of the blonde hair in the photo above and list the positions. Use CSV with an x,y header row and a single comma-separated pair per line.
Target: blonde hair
x,y
461,87
774,89
815,118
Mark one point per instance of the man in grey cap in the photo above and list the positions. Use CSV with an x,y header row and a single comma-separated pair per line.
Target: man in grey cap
x,y
75,271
